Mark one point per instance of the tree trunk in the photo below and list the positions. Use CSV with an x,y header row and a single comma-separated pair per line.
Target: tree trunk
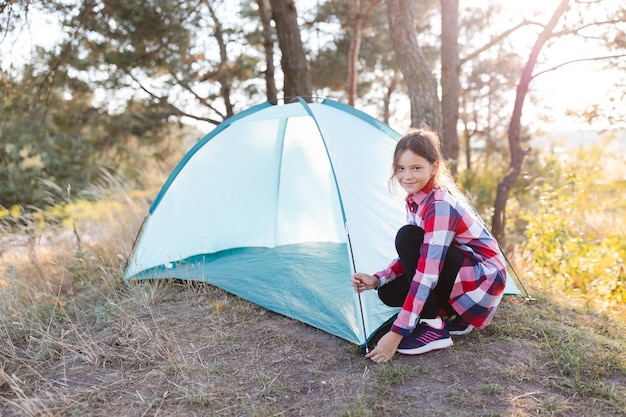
x,y
293,60
450,69
391,88
222,75
421,82
517,153
268,45
353,53
356,35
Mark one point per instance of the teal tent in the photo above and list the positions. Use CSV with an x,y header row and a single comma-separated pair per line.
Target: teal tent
x,y
279,205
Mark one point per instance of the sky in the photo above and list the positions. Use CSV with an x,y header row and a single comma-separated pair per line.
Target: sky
x,y
39,30
571,86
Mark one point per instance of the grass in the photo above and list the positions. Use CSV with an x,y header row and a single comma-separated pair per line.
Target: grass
x,y
77,341
162,348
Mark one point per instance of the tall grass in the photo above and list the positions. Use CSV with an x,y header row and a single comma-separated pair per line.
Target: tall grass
x,y
60,270
54,257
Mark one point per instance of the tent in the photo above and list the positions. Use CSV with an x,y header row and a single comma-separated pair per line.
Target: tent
x,y
279,205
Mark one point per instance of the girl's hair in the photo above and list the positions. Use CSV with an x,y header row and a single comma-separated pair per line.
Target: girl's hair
x,y
425,143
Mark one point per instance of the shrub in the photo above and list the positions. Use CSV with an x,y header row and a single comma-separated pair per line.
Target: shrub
x,y
575,234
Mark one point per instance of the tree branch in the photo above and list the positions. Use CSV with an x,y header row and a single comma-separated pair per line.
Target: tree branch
x,y
495,41
598,58
172,106
202,100
372,6
192,116
577,30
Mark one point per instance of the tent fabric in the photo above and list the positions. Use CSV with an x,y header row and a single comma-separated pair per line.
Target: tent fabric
x,y
279,205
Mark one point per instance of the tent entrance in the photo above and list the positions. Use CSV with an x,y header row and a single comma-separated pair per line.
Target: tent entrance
x,y
281,279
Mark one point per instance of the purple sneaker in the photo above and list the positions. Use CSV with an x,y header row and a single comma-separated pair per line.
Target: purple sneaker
x,y
458,326
424,339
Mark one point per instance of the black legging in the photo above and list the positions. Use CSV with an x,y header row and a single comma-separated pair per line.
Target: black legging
x,y
409,239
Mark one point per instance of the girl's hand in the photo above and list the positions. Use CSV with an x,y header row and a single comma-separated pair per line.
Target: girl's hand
x,y
385,348
362,282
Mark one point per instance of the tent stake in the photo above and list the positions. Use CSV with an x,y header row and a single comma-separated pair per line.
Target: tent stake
x,y
367,350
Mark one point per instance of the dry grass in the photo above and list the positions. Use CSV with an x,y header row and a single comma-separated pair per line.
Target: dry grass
x,y
172,348
77,341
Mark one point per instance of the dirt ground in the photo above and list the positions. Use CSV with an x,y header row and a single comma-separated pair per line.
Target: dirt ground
x,y
201,352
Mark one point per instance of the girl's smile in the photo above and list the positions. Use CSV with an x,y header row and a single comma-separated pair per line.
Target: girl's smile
x,y
414,172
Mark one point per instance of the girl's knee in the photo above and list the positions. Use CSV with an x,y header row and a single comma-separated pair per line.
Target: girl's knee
x,y
409,234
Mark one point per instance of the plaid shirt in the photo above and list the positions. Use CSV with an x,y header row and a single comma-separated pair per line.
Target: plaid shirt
x,y
480,283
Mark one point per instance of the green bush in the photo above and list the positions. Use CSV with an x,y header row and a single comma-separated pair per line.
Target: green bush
x,y
575,234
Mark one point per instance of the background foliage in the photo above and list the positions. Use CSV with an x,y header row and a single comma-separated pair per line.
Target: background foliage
x,y
574,239
115,81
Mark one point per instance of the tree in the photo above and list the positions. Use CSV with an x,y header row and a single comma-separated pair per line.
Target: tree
x,y
371,71
128,69
450,86
517,153
422,84
293,60
11,12
268,46
56,129
180,53
223,72
359,18
49,138
489,72
578,23
484,110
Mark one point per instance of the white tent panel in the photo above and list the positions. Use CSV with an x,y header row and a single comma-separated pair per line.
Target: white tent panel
x,y
361,155
308,203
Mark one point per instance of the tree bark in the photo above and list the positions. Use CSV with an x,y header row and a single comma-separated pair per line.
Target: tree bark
x,y
517,153
450,86
353,53
293,60
356,28
268,45
421,83
391,88
222,75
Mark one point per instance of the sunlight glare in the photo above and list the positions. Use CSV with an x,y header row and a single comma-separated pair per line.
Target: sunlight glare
x,y
574,86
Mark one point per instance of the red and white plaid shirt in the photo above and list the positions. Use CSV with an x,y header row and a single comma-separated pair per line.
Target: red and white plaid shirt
x,y
480,283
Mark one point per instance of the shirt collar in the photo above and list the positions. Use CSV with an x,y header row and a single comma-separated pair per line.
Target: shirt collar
x,y
413,200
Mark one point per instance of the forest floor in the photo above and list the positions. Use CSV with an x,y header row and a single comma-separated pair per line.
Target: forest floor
x,y
193,350
173,348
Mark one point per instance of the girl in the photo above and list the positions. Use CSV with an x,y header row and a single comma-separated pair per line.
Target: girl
x,y
448,264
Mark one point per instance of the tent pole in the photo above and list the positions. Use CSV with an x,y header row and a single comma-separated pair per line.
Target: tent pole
x,y
519,280
343,213
367,350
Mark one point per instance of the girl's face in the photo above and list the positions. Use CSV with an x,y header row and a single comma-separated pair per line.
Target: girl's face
x,y
413,171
